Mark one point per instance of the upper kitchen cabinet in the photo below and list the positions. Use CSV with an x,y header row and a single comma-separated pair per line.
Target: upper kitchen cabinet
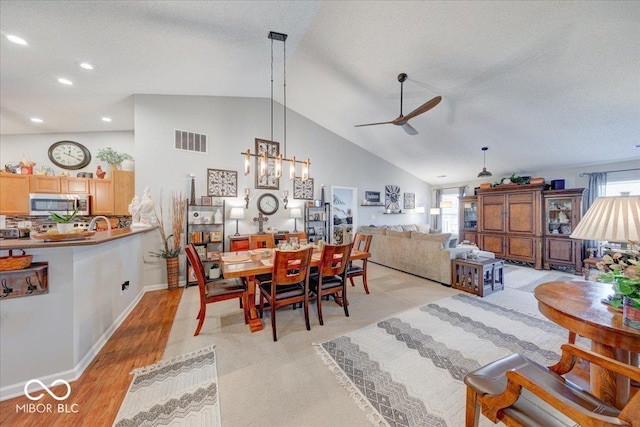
x,y
14,194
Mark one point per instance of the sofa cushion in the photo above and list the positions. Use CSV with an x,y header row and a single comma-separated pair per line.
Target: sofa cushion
x,y
423,228
393,233
395,228
409,227
442,238
374,230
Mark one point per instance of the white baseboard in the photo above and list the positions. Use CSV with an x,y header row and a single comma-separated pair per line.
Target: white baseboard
x,y
15,390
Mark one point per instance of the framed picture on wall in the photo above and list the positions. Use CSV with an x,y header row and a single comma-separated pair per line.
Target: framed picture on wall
x,y
392,197
303,189
409,200
222,183
269,180
206,200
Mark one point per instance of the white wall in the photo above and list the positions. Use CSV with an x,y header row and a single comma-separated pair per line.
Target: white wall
x,y
35,147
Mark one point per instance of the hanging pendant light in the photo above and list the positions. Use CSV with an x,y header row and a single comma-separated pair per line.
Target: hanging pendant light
x,y
484,172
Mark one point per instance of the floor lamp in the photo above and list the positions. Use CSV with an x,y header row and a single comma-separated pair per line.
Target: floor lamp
x,y
296,213
237,214
435,212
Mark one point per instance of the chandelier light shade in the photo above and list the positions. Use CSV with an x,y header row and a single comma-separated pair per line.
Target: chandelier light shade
x,y
263,159
237,214
484,172
611,219
446,204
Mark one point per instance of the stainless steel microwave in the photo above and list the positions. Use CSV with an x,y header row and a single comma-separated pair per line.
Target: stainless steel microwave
x,y
41,204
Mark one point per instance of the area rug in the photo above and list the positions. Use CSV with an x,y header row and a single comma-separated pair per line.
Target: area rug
x,y
408,370
181,391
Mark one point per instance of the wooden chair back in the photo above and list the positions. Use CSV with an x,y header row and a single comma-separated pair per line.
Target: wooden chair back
x,y
334,260
362,242
198,268
291,267
258,241
300,236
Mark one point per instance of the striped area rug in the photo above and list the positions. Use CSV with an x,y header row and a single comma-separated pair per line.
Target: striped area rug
x,y
408,370
181,391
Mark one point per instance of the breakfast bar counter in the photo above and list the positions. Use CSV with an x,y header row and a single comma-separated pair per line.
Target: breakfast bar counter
x,y
96,239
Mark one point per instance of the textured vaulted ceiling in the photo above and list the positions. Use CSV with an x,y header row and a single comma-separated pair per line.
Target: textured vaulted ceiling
x,y
545,85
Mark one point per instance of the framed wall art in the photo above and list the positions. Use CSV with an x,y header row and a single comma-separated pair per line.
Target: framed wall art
x,y
372,197
222,183
206,201
303,189
409,200
392,197
268,181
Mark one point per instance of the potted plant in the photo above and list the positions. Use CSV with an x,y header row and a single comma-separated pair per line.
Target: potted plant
x,y
623,273
171,248
112,157
64,222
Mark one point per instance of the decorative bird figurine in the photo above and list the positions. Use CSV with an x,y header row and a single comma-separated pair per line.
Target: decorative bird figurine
x,y
100,173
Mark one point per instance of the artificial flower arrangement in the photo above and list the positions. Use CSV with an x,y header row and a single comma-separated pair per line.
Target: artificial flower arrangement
x,y
623,274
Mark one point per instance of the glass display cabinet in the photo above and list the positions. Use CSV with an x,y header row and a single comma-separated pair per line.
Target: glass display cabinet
x,y
468,219
562,212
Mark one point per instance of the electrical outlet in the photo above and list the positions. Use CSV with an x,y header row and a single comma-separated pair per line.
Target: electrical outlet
x,y
125,286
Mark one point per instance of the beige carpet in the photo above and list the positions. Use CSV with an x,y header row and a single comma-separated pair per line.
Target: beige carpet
x,y
285,383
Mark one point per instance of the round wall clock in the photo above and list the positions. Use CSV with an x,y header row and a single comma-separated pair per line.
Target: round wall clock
x,y
268,204
69,155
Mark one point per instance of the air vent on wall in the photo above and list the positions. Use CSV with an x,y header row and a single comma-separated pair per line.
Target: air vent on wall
x,y
191,141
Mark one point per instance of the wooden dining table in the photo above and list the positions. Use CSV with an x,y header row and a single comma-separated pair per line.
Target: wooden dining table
x,y
577,306
248,264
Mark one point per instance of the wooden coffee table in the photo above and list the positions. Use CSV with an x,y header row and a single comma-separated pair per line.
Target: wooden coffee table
x,y
481,276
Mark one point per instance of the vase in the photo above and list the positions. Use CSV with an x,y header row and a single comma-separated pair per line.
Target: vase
x,y
64,227
173,272
112,167
630,313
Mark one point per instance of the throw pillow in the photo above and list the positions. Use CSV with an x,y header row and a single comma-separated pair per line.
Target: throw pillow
x,y
423,228
409,227
396,228
435,230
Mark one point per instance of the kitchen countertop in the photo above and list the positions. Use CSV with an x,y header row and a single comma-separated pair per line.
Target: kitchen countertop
x,y
96,239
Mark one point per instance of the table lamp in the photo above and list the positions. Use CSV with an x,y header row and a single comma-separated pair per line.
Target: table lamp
x,y
296,213
611,219
236,213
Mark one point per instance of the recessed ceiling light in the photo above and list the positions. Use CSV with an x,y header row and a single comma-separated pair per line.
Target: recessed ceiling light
x,y
86,66
106,119
16,39
65,81
36,120
441,176
636,146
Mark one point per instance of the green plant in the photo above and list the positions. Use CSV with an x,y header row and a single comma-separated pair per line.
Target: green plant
x,y
64,219
178,207
623,273
169,251
111,156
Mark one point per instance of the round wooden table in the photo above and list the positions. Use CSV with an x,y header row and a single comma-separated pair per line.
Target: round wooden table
x,y
578,307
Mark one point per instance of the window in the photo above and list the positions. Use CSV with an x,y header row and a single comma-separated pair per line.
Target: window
x,y
450,215
618,187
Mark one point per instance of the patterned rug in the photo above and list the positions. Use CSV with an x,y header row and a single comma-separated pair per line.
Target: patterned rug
x,y
182,391
408,370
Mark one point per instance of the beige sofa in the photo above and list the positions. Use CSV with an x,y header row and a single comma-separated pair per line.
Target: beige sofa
x,y
421,253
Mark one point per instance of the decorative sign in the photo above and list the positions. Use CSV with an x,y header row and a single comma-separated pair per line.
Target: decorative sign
x,y
222,183
372,197
409,200
392,197
303,189
269,180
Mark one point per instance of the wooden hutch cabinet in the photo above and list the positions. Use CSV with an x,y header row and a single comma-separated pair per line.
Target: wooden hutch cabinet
x,y
468,219
562,212
510,222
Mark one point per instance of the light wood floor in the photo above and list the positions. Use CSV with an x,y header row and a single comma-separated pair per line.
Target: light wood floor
x,y
138,342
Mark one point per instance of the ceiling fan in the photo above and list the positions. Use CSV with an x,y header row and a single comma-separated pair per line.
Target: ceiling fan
x,y
404,120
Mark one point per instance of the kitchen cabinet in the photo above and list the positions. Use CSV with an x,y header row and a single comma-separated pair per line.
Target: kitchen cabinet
x,y
101,197
510,222
45,184
14,194
562,212
72,185
112,196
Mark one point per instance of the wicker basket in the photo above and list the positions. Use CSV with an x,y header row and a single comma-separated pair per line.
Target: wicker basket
x,y
18,262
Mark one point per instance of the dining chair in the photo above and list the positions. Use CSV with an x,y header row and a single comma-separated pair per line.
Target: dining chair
x,y
330,279
215,290
258,241
289,284
497,391
300,236
361,242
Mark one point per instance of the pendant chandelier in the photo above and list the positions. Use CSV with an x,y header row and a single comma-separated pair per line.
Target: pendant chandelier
x,y
264,157
484,172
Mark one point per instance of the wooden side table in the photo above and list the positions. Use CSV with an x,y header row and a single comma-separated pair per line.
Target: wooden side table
x,y
481,276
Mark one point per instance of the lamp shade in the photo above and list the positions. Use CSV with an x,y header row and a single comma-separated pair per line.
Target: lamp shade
x,y
612,219
445,204
236,213
295,213
434,211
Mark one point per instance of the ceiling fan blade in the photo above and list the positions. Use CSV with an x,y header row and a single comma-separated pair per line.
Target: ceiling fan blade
x,y
373,124
409,129
424,108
